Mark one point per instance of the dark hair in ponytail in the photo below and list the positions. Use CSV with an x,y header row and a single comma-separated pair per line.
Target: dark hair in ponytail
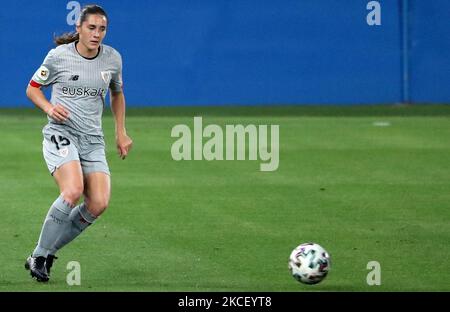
x,y
66,38
85,12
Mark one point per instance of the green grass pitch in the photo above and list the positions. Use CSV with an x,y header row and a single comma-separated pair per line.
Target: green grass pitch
x,y
364,192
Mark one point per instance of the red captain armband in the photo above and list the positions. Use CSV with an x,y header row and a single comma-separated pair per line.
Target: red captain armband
x,y
35,84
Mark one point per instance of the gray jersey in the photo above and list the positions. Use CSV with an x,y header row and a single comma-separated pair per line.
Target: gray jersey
x,y
80,84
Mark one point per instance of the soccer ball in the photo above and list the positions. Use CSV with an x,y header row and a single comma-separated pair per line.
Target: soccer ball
x,y
309,263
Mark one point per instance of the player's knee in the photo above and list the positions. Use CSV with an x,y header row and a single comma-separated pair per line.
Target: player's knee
x,y
98,205
72,194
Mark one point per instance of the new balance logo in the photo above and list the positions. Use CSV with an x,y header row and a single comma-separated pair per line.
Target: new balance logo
x,y
74,77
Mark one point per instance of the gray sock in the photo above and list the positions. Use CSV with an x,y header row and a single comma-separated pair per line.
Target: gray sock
x,y
54,225
80,218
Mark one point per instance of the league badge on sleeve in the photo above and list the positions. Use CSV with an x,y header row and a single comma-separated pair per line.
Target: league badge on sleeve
x,y
42,73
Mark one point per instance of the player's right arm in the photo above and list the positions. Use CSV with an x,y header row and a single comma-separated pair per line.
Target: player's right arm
x,y
44,76
57,112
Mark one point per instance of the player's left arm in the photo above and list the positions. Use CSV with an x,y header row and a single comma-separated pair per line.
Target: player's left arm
x,y
123,141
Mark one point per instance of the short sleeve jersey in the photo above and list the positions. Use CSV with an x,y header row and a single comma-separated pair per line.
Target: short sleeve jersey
x,y
80,84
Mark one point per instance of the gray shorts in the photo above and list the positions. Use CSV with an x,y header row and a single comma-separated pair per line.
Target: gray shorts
x,y
62,145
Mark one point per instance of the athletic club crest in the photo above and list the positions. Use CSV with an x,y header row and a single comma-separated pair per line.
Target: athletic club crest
x,y
106,76
63,152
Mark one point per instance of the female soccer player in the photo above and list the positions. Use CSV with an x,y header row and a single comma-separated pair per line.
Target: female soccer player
x,y
80,70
